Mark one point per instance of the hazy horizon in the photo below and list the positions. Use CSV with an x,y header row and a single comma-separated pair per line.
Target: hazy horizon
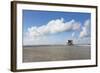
x,y
55,44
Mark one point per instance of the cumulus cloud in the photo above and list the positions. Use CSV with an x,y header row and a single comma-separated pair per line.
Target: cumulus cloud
x,y
85,29
37,34
52,27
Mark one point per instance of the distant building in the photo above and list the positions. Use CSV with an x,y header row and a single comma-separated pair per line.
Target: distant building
x,y
70,42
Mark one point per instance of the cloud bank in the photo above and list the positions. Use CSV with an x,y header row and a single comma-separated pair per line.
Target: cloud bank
x,y
53,27
37,34
85,29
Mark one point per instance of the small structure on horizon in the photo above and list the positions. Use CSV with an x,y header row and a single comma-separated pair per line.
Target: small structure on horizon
x,y
70,42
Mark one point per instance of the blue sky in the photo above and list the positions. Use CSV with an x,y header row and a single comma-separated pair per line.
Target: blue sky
x,y
34,21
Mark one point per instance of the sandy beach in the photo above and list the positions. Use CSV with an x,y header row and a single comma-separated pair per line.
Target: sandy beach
x,y
41,53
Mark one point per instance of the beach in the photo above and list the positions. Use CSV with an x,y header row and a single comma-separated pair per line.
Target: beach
x,y
41,53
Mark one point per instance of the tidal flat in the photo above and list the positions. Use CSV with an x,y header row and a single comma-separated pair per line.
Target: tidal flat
x,y
41,53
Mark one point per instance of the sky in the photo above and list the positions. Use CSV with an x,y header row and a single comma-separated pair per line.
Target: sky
x,y
55,27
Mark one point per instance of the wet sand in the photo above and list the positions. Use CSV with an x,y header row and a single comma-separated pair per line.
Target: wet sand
x,y
55,53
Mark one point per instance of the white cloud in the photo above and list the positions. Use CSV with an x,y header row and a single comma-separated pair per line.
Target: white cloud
x,y
52,27
37,35
85,29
